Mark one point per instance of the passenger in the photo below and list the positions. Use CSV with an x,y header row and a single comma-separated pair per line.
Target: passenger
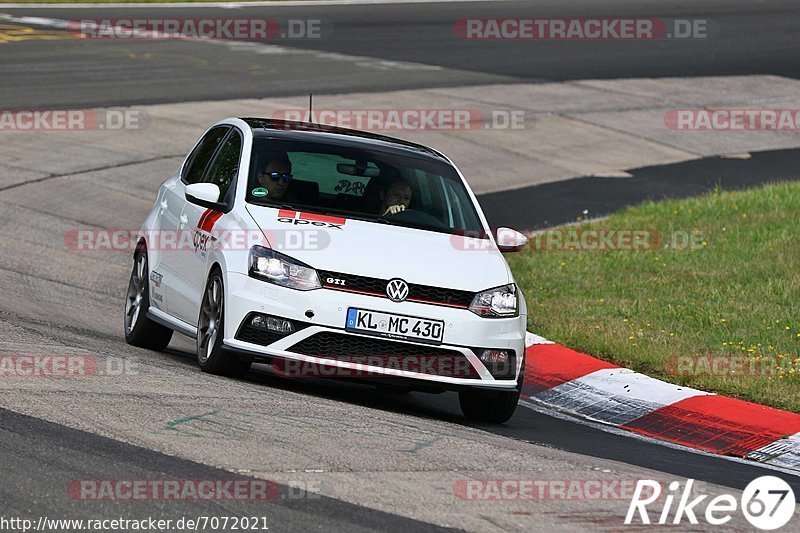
x,y
396,198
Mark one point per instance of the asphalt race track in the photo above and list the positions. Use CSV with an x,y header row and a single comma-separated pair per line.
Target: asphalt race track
x,y
550,204
380,460
411,46
29,443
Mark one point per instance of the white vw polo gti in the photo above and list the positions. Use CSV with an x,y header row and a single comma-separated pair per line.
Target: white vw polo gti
x,y
330,252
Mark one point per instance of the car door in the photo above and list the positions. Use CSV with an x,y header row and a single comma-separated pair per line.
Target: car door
x,y
162,257
178,293
222,171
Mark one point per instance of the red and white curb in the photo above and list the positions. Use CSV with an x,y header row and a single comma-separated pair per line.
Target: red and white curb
x,y
586,387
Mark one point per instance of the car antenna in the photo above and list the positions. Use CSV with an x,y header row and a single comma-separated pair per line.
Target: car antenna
x,y
310,109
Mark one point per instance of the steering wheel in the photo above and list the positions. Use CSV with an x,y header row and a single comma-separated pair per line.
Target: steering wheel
x,y
414,216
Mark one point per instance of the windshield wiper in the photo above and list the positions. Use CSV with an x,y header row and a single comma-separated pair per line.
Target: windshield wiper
x,y
270,203
328,212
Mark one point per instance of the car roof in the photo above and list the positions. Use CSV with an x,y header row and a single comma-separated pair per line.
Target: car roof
x,y
286,129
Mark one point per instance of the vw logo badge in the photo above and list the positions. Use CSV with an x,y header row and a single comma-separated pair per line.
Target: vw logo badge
x,y
397,290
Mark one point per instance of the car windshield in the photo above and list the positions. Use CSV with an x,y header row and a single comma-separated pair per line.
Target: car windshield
x,y
369,185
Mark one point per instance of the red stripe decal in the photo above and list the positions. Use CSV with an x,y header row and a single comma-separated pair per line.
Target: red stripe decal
x,y
211,219
550,365
313,217
322,218
203,218
717,424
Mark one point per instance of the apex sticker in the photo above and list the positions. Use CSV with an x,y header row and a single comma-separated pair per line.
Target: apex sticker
x,y
298,218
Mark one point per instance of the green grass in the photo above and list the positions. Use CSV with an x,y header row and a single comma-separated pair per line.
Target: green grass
x,y
736,293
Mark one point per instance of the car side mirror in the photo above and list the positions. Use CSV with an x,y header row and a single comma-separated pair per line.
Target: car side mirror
x,y
204,195
509,240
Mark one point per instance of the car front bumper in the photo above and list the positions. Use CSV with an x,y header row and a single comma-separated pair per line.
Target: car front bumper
x,y
321,314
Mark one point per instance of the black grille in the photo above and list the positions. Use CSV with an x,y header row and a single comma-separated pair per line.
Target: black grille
x,y
377,287
440,296
258,336
262,337
349,282
386,354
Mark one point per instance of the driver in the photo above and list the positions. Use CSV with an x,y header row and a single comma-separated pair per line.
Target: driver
x,y
275,177
396,198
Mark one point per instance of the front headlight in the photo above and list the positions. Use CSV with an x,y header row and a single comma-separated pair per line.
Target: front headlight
x,y
500,302
274,267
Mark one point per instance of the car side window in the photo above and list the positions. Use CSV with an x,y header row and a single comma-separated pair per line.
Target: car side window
x,y
198,160
225,167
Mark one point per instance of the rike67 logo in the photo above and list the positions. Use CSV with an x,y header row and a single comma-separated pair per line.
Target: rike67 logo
x,y
767,502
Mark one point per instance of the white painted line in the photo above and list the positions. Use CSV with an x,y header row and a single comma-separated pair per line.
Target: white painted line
x,y
531,339
784,453
612,174
369,63
547,410
533,233
36,21
233,5
615,396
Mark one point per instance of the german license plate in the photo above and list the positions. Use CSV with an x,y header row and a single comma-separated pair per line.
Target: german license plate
x,y
394,326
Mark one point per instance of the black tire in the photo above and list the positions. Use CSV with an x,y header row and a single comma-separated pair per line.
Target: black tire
x,y
496,407
211,330
139,329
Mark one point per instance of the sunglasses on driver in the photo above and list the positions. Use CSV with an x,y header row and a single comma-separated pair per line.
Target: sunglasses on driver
x,y
275,176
